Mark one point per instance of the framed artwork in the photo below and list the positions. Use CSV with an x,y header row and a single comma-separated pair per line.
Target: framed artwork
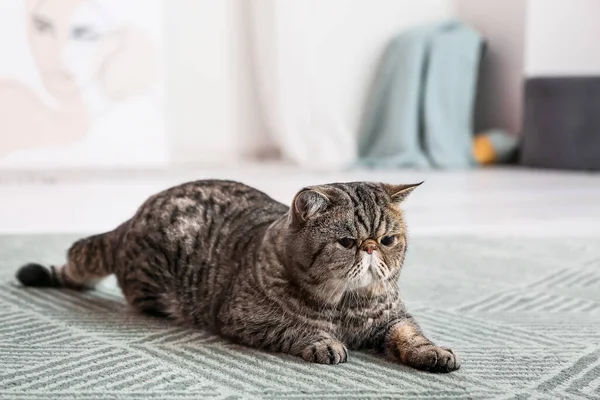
x,y
81,84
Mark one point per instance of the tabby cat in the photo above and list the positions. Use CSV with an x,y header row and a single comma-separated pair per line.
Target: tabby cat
x,y
311,281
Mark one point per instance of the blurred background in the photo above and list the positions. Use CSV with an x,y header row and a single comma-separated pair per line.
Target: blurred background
x,y
493,103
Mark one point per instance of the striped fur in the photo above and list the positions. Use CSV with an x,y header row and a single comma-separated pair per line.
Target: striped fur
x,y
312,280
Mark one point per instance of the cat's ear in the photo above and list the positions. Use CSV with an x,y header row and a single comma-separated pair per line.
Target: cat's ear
x,y
398,193
308,203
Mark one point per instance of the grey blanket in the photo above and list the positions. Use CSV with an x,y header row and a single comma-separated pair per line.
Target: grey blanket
x,y
420,113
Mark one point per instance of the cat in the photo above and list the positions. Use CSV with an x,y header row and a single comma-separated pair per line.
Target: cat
x,y
312,280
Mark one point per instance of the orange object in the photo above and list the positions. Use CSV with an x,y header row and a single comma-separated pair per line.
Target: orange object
x,y
483,150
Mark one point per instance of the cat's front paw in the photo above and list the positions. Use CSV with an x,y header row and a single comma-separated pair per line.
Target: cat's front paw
x,y
433,358
326,351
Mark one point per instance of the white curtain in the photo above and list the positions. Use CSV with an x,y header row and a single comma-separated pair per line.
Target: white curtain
x,y
301,118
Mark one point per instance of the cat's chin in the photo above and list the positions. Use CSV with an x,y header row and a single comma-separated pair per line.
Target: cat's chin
x,y
367,284
363,281
375,289
332,291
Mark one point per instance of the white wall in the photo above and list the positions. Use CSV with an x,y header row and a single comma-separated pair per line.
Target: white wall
x,y
528,39
354,34
213,114
202,87
502,23
212,109
562,38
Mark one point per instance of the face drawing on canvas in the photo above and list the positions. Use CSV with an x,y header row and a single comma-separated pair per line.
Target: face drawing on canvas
x,y
69,43
86,60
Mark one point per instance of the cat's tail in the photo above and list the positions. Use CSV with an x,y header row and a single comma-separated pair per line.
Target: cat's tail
x,y
88,261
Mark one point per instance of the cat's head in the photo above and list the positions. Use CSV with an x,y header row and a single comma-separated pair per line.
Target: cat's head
x,y
346,237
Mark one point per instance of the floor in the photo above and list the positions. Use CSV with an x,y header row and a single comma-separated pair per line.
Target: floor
x,y
503,268
494,202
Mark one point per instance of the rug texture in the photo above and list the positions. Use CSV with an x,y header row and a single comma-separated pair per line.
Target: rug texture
x,y
524,315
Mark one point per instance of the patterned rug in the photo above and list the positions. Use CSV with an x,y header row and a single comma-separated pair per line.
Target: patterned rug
x,y
524,314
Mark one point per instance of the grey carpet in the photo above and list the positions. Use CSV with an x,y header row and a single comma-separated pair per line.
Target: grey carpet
x,y
524,314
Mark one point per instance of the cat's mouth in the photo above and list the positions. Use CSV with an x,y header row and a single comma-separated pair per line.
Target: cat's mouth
x,y
368,270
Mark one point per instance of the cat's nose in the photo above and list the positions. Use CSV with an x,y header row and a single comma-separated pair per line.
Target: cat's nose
x,y
369,245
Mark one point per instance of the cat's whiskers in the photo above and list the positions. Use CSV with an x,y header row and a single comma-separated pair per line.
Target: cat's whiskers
x,y
391,288
327,303
387,318
379,271
350,274
385,269
371,299
332,310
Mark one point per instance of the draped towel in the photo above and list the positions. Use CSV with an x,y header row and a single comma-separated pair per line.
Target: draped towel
x,y
421,109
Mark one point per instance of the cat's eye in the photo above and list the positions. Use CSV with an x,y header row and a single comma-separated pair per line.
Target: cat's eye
x,y
347,242
388,240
